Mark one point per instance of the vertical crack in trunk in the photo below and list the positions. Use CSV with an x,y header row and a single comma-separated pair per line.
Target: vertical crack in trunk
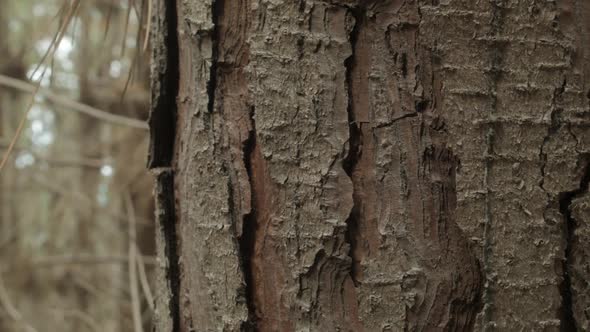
x,y
227,90
162,123
167,219
165,83
355,142
249,229
554,126
216,12
169,224
568,321
494,74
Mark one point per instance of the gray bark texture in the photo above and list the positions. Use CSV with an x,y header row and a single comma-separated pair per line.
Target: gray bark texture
x,y
393,165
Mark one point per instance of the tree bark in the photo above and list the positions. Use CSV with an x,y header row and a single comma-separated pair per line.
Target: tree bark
x,y
371,165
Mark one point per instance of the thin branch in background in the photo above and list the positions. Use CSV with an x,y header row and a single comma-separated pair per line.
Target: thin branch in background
x,y
51,50
81,259
56,38
145,285
84,317
136,57
133,282
72,104
14,314
140,29
148,26
128,16
108,23
129,79
73,33
138,10
81,198
92,163
114,292
21,125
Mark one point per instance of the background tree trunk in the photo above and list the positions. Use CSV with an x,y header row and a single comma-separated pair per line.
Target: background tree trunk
x,y
371,165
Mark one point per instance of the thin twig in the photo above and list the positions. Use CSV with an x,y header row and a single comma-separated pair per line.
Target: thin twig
x,y
113,292
84,317
108,22
81,198
72,104
50,52
133,283
93,163
148,26
20,127
145,285
126,27
12,312
81,259
57,37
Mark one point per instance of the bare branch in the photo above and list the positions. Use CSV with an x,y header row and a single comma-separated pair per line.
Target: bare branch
x,y
72,104
50,52
12,312
82,259
133,283
145,285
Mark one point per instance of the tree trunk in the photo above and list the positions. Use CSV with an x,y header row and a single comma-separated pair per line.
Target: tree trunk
x,y
371,165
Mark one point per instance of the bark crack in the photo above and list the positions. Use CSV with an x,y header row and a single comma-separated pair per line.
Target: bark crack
x,y
162,122
355,139
249,228
392,122
167,220
568,321
216,12
495,73
554,126
227,92
165,82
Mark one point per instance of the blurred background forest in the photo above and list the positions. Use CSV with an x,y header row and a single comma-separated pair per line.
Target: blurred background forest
x,y
76,219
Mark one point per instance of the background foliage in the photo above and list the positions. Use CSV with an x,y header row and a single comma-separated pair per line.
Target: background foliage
x,y
75,198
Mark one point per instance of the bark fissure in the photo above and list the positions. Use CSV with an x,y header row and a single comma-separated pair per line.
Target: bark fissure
x,y
162,123
392,122
249,229
227,90
165,80
354,140
216,12
554,125
568,321
166,208
494,75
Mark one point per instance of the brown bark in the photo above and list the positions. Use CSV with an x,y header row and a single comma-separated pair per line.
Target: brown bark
x,y
372,165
